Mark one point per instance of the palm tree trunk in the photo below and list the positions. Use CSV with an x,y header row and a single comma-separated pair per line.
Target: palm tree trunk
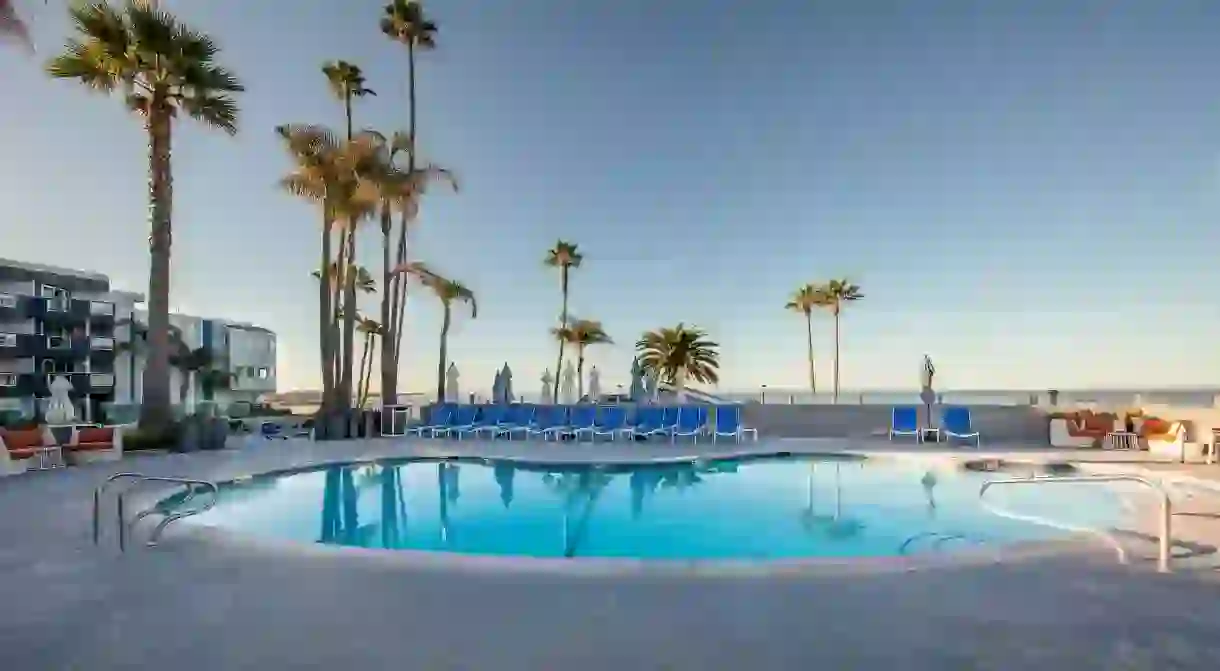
x,y
388,292
325,320
563,320
155,406
443,358
680,385
184,388
392,340
813,381
339,282
349,319
580,372
836,356
364,360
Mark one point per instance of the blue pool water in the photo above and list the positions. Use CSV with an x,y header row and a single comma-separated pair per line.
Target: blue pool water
x,y
780,507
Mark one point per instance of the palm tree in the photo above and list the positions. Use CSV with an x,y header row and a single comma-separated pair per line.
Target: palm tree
x,y
401,189
342,178
804,301
565,256
346,84
404,22
163,70
836,293
447,291
371,330
678,353
192,363
581,333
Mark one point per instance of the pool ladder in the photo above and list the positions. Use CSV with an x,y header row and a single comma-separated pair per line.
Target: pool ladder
x,y
133,479
1166,513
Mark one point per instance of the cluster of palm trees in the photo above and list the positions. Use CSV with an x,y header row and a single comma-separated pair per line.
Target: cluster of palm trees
x,y
675,354
353,178
831,296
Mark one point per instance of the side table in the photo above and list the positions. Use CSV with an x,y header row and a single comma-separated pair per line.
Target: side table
x,y
1121,440
930,434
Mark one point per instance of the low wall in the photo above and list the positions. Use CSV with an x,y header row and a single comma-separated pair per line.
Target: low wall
x,y
999,423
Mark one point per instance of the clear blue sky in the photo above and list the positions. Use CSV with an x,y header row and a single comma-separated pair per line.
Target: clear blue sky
x,y
1027,190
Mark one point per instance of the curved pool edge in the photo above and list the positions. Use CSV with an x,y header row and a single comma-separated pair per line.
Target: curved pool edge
x,y
451,563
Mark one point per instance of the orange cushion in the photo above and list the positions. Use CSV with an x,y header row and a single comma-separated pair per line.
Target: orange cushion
x,y
95,435
1154,426
1100,423
87,447
22,453
20,440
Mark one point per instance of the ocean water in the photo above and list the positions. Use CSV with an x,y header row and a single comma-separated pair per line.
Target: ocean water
x,y
724,509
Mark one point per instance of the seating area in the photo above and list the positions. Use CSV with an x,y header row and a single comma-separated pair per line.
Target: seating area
x,y
955,425
583,422
1090,429
38,448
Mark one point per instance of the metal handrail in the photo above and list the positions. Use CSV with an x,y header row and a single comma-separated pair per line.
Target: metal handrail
x,y
940,539
139,478
1166,541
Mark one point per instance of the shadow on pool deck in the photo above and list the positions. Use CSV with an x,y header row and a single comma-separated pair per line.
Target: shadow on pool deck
x,y
193,604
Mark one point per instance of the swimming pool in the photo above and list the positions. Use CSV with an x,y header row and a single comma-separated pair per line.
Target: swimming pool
x,y
758,508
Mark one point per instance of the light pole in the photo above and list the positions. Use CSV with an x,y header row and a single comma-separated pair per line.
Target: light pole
x,y
762,396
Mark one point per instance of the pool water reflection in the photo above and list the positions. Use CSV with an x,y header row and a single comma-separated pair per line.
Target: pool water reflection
x,y
758,508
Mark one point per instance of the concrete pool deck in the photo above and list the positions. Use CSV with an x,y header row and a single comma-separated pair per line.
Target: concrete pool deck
x,y
199,603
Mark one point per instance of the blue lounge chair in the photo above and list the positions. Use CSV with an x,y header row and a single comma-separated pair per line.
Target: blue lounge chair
x,y
551,420
514,416
727,424
692,420
520,422
439,419
661,423
272,431
955,423
489,417
613,423
462,417
905,422
583,420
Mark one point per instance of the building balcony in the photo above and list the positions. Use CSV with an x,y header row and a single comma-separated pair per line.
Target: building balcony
x,y
101,381
101,342
8,341
9,301
23,366
101,309
63,346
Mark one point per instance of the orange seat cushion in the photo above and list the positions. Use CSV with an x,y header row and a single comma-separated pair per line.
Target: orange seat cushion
x,y
1154,426
89,447
21,440
95,435
22,453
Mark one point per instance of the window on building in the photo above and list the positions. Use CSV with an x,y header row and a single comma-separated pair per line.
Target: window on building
x,y
48,291
263,373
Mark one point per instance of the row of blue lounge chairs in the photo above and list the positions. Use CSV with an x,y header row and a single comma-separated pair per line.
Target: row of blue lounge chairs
x,y
954,424
559,422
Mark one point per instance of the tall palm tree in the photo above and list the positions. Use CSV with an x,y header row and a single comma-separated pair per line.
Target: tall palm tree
x,y
401,189
679,353
447,291
335,174
836,294
404,22
581,333
346,83
163,69
371,329
804,301
565,256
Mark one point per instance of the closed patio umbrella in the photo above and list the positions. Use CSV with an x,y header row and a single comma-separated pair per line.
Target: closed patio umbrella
x,y
506,384
497,388
637,381
595,384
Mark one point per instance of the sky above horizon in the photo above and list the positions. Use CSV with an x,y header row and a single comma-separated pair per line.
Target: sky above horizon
x,y
1025,191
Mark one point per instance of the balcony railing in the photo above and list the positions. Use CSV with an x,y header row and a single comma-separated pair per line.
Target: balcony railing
x,y
59,342
8,379
8,339
58,304
8,301
101,380
101,309
101,342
